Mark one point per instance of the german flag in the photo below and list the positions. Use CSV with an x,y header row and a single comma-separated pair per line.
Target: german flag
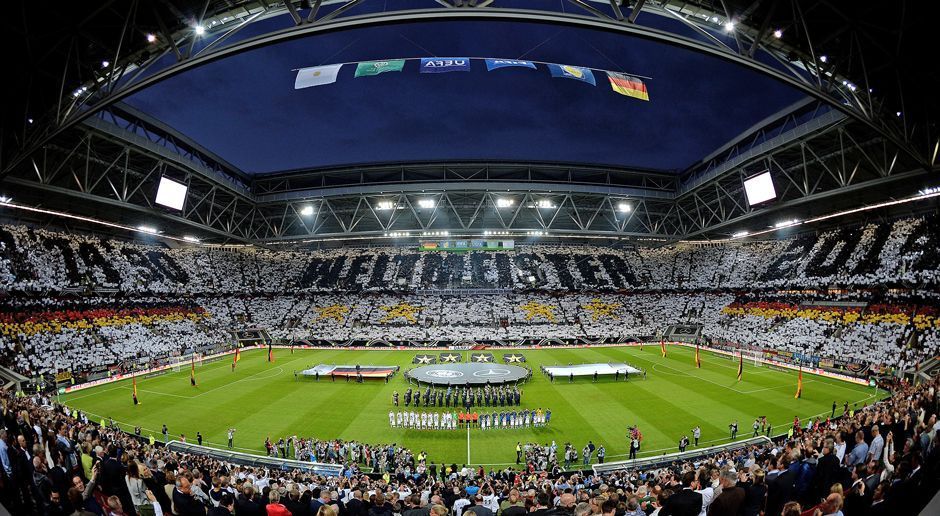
x,y
799,384
192,372
740,366
270,353
698,360
662,346
628,86
136,401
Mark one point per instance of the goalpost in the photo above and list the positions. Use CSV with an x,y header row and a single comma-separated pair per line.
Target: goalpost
x,y
753,356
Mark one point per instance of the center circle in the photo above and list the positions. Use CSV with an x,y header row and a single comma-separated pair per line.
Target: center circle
x,y
467,373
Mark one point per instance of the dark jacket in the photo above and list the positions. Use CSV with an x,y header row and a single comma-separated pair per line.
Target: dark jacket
x,y
684,503
728,503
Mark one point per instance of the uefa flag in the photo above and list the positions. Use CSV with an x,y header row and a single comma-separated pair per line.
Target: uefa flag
x,y
578,73
495,64
368,68
316,76
445,64
629,86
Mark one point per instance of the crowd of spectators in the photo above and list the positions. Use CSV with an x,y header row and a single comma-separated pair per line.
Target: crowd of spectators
x,y
882,459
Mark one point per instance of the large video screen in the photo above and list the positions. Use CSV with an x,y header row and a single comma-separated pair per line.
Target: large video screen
x,y
759,188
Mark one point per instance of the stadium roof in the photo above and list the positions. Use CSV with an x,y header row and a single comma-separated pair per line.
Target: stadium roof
x,y
798,88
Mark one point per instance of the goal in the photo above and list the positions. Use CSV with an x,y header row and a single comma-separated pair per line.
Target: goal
x,y
180,362
752,356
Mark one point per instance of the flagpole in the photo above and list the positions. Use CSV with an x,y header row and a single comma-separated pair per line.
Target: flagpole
x,y
468,442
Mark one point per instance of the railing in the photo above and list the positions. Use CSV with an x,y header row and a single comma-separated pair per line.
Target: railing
x,y
247,459
657,460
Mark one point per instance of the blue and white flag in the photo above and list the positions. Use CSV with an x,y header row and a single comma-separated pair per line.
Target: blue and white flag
x,y
577,73
493,64
445,64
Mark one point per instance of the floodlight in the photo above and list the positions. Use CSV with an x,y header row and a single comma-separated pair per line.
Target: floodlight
x,y
624,207
171,194
759,188
200,30
426,204
504,202
306,211
384,205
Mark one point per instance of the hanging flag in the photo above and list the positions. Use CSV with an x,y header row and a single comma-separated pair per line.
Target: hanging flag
x,y
316,76
578,73
136,401
445,64
698,360
495,64
238,354
192,372
799,384
629,86
662,345
368,68
740,366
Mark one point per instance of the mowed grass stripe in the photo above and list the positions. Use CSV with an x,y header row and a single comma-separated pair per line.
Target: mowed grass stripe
x,y
263,399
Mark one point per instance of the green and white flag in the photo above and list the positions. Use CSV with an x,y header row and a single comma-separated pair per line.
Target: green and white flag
x,y
376,67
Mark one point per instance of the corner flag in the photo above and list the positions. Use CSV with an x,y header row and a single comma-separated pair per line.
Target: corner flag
x,y
740,366
799,384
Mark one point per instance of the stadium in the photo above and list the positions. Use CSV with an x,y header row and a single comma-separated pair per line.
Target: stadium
x,y
469,258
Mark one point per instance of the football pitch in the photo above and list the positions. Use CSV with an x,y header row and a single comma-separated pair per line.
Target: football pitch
x,y
263,399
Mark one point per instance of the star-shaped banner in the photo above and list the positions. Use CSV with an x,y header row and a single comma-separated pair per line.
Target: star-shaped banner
x,y
402,311
425,359
336,312
536,310
481,357
513,358
600,309
450,357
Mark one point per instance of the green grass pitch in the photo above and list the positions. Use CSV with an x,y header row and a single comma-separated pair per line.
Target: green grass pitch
x,y
265,400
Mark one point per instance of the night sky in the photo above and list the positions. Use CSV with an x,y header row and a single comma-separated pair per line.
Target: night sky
x,y
244,108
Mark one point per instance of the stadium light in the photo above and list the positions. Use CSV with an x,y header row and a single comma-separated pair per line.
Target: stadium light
x,y
504,202
544,203
29,120
426,204
5,199
148,229
200,30
151,38
105,64
729,26
740,234
191,239
384,205
786,223
778,33
171,194
824,58
624,207
306,211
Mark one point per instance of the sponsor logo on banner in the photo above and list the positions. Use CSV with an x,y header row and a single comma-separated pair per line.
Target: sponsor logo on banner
x,y
445,64
495,64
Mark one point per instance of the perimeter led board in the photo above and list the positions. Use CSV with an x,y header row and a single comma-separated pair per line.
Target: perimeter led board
x,y
171,194
759,188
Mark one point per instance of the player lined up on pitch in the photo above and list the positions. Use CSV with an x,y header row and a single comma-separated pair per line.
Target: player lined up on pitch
x,y
485,421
